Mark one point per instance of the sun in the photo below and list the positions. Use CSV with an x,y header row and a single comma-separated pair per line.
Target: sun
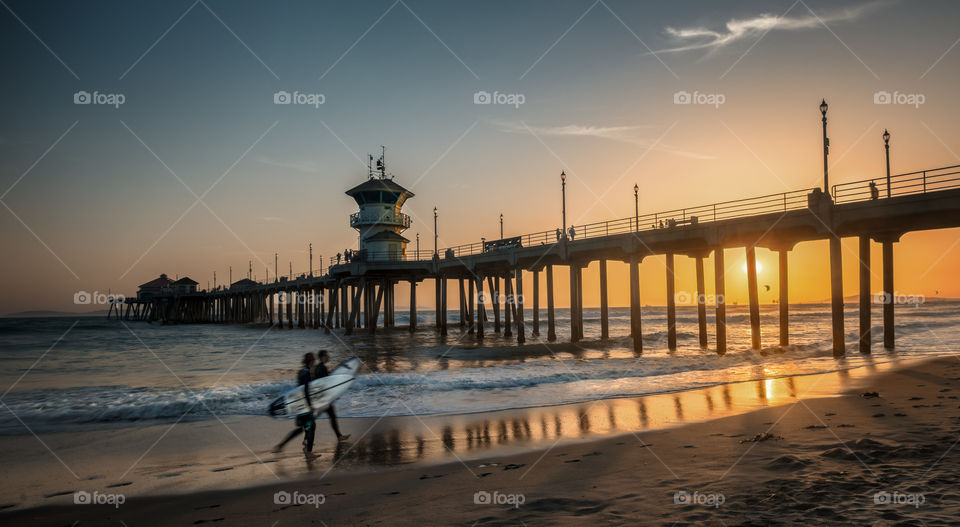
x,y
759,267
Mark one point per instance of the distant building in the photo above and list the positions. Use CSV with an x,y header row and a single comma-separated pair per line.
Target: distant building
x,y
157,287
184,286
243,284
379,220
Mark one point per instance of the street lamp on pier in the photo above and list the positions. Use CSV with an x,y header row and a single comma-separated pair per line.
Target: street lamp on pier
x,y
886,146
636,207
501,226
826,147
435,253
563,192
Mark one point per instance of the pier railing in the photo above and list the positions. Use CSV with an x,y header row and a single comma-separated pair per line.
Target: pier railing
x,y
671,219
359,219
919,182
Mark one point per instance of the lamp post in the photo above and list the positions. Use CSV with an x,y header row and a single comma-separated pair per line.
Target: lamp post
x,y
636,207
563,192
418,246
826,147
435,253
231,275
886,146
501,226
276,270
311,260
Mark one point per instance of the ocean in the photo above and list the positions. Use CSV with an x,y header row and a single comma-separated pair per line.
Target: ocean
x,y
64,373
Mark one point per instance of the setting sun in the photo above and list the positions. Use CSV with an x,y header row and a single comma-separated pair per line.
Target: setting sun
x,y
759,267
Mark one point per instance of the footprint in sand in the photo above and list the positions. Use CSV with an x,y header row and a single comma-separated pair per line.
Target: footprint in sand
x,y
171,475
121,484
572,461
224,469
5,506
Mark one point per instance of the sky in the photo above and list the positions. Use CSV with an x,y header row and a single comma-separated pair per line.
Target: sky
x,y
188,167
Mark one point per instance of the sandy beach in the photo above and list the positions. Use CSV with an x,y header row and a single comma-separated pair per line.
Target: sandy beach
x,y
879,453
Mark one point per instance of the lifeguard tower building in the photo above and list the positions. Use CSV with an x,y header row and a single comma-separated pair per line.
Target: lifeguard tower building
x,y
379,220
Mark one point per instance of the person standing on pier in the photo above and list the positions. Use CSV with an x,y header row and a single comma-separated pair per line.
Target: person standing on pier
x,y
306,422
320,372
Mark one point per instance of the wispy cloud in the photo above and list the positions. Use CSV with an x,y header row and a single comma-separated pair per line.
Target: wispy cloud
x,y
300,166
735,30
624,134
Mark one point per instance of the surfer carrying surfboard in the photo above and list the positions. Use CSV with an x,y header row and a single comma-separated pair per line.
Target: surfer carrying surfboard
x,y
320,372
306,421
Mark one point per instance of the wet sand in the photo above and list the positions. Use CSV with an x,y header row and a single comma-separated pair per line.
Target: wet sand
x,y
624,461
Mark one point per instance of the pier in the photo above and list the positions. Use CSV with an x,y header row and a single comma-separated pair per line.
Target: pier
x,y
359,291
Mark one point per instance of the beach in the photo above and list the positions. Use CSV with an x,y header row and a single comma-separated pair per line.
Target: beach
x,y
878,452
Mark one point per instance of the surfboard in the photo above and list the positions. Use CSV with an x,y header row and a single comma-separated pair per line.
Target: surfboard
x,y
323,392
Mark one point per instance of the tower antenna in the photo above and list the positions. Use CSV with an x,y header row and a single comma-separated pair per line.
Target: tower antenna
x,y
382,162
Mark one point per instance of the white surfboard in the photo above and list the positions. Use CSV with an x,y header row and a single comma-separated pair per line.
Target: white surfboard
x,y
323,392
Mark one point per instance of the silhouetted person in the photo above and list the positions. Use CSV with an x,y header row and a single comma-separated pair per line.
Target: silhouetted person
x,y
573,232
558,233
318,373
338,258
661,224
306,422
874,193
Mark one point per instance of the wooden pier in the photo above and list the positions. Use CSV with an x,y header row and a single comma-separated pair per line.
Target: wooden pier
x,y
360,293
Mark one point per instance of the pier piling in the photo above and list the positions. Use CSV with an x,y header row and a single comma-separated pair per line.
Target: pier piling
x,y
865,333
888,321
784,302
836,294
536,304
720,292
635,322
604,308
754,298
551,321
701,304
413,305
521,329
671,304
